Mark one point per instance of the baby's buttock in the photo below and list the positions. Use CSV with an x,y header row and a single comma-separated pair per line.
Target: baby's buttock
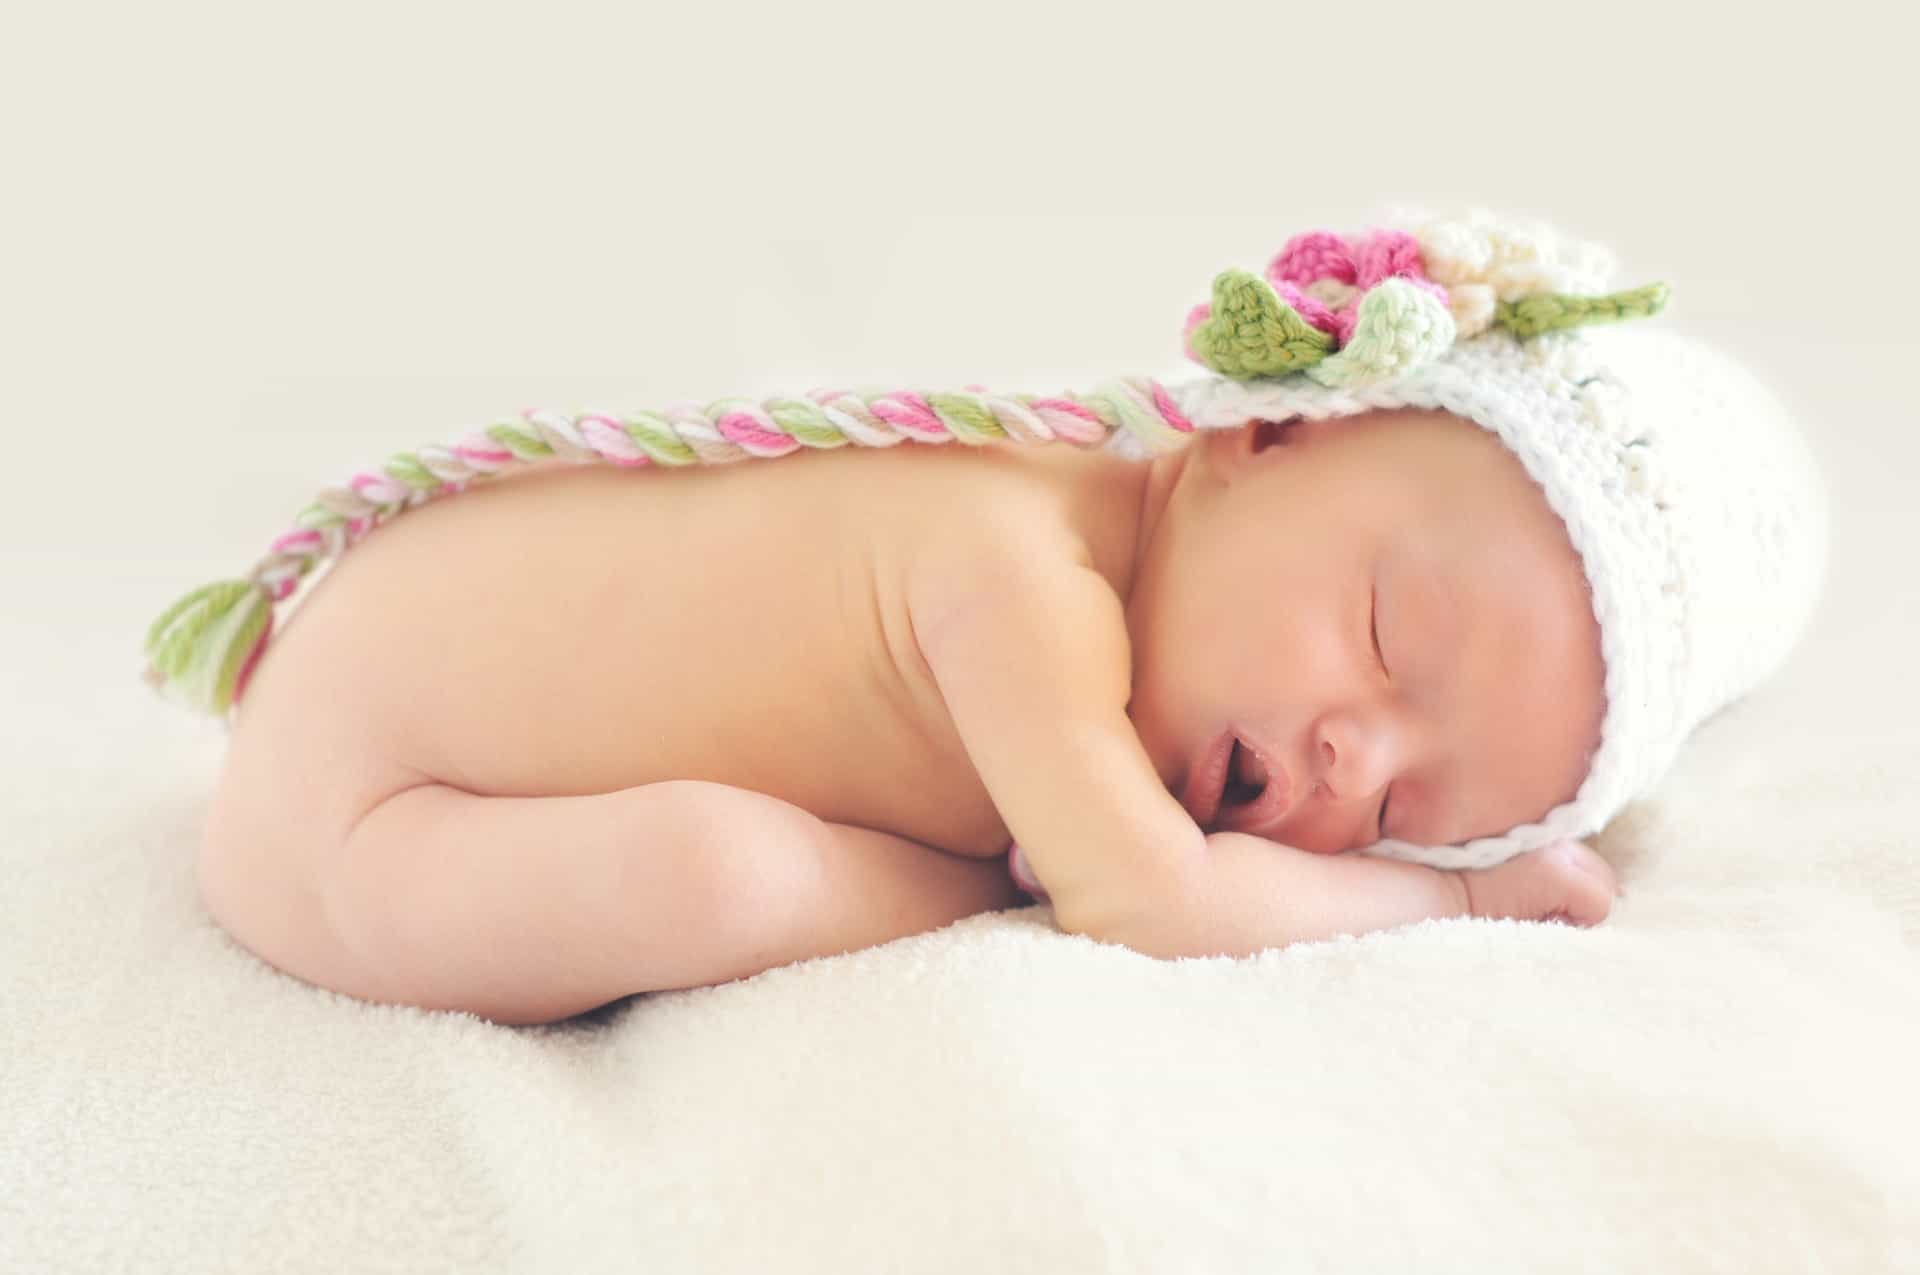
x,y
585,629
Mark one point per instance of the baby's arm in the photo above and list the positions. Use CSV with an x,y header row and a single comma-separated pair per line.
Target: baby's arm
x,y
1256,894
1032,659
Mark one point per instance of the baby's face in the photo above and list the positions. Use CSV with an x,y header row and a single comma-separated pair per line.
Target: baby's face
x,y
1282,552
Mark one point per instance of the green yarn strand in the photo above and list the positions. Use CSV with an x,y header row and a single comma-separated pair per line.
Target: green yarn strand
x,y
652,435
406,467
156,632
524,444
1552,311
317,517
966,416
249,620
805,421
199,644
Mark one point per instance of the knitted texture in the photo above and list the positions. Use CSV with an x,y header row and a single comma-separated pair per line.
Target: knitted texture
x,y
1349,310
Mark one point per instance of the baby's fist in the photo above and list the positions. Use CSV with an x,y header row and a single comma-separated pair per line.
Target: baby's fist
x,y
1562,882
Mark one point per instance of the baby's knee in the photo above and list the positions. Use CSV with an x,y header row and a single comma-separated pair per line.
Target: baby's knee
x,y
742,864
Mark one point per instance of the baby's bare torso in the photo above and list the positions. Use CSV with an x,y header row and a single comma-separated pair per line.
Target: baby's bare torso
x,y
582,629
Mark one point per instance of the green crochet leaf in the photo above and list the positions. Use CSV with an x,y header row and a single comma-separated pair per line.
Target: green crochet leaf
x,y
1252,332
1550,311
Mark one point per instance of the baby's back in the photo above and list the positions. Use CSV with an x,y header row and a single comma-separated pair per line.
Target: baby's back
x,y
583,629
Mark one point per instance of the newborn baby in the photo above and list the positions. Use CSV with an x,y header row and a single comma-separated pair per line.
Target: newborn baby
x,y
1424,574
580,733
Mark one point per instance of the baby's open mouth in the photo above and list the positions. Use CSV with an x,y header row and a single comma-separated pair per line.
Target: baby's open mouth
x,y
1230,787
1246,778
1252,799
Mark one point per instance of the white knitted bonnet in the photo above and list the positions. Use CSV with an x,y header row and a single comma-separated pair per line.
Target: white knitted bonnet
x,y
1691,497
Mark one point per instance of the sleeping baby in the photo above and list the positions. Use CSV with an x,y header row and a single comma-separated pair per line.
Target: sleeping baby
x,y
1378,620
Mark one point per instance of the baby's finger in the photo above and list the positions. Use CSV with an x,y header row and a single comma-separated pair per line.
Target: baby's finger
x,y
1588,885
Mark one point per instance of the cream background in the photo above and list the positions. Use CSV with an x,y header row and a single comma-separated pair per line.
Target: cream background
x,y
246,249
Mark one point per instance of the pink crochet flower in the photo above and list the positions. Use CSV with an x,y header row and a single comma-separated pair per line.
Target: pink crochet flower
x,y
1344,270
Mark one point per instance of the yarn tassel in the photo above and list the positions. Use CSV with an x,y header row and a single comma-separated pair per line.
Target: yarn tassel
x,y
202,647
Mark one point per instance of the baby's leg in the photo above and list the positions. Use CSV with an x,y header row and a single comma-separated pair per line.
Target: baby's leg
x,y
534,909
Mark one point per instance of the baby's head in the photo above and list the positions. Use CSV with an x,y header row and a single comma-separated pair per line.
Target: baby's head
x,y
1454,541
1388,610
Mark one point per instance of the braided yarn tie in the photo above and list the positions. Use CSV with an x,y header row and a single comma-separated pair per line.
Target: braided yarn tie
x,y
201,650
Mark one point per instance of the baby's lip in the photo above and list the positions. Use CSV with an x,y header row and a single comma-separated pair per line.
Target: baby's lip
x,y
1206,777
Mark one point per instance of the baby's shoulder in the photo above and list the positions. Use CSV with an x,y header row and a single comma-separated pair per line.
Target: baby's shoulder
x,y
992,534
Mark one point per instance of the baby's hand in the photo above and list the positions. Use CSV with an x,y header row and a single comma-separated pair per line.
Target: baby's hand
x,y
1562,882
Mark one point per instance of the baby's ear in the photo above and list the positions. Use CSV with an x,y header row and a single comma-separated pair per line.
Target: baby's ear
x,y
1264,434
1231,452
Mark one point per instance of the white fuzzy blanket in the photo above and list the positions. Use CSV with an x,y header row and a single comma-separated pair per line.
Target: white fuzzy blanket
x,y
1720,1078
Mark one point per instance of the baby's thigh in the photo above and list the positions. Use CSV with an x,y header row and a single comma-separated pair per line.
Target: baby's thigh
x,y
529,909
